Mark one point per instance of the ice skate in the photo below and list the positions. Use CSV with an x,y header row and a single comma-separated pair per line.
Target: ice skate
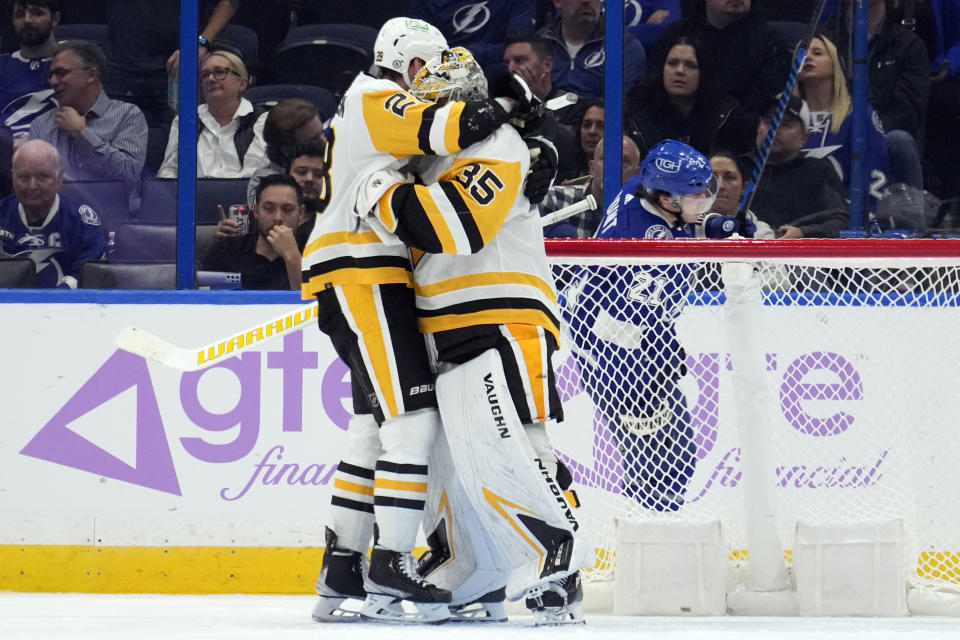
x,y
487,608
340,581
558,601
392,580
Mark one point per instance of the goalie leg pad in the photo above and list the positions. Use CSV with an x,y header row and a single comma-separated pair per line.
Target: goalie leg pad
x,y
463,557
523,508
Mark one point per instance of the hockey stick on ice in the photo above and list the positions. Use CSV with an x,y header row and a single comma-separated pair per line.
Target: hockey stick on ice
x,y
792,78
143,343
587,204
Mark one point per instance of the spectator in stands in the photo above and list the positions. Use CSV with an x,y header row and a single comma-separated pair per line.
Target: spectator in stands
x,y
823,86
144,49
24,90
587,136
730,172
645,19
289,123
97,138
530,57
750,59
798,197
577,36
230,139
682,101
480,26
899,85
59,234
308,169
269,256
584,225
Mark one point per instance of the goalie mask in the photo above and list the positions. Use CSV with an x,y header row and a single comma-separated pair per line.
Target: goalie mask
x,y
453,75
683,172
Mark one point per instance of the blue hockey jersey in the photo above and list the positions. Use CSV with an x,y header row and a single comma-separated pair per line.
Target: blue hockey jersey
x,y
25,92
636,14
70,235
836,147
481,26
620,321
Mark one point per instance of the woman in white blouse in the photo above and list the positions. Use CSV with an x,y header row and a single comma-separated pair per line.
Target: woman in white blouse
x,y
230,132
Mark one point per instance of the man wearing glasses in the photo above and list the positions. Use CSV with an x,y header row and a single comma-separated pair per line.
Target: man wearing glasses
x,y
97,138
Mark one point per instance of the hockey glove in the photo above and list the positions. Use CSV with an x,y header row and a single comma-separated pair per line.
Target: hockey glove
x,y
748,228
479,119
716,226
543,168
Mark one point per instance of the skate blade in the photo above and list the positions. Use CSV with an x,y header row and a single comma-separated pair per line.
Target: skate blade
x,y
333,609
556,616
479,612
380,607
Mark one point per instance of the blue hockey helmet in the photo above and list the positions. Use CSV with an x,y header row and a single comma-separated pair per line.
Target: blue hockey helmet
x,y
676,168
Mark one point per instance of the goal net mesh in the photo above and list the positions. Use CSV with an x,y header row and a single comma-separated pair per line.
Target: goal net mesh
x,y
861,356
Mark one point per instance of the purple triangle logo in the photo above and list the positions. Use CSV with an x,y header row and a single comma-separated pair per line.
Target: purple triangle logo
x,y
58,444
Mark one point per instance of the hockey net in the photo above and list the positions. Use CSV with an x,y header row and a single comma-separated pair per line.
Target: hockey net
x,y
855,419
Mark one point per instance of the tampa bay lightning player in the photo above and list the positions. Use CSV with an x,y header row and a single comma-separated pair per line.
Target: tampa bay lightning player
x,y
622,322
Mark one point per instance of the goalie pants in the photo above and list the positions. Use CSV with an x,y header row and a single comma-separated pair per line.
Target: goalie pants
x,y
374,330
526,351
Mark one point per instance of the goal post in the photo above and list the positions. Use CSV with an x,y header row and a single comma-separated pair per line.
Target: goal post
x,y
798,393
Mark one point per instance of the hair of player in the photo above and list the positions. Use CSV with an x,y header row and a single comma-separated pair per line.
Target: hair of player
x,y
280,128
541,46
90,54
279,180
55,6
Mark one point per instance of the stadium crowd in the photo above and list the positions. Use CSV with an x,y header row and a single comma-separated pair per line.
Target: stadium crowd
x,y
99,82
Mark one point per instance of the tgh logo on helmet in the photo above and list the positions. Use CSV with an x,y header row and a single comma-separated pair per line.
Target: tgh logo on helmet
x,y
667,165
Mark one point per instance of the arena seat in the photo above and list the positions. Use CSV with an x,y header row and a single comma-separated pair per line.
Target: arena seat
x,y
325,55
241,39
145,242
270,94
158,200
17,273
109,198
128,275
214,191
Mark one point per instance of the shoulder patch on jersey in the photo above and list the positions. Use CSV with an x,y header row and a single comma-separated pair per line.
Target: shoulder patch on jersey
x,y
658,232
88,215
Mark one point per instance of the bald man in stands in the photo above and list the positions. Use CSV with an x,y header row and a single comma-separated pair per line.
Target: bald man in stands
x,y
59,234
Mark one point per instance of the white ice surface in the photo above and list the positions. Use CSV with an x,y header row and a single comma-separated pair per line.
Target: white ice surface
x,y
25,616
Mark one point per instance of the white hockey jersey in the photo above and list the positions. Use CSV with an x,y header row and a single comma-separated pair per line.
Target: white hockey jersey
x,y
376,126
478,244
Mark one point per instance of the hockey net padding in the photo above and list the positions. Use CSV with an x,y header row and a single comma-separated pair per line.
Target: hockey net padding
x,y
861,357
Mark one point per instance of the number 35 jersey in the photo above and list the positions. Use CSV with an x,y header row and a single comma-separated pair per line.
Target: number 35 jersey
x,y
478,244
376,127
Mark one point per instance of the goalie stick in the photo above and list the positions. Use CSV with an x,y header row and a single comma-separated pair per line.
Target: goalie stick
x,y
792,78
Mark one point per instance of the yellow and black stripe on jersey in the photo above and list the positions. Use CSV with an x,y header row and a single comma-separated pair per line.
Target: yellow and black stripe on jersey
x,y
401,125
458,214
